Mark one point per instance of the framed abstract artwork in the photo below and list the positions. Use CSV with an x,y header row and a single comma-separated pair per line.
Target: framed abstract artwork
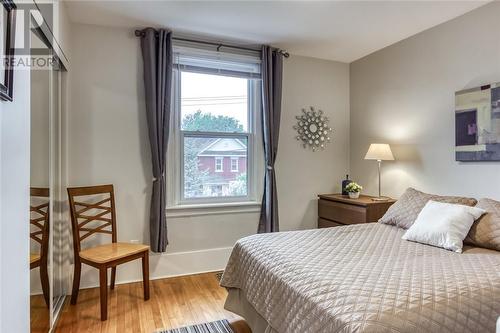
x,y
7,38
477,124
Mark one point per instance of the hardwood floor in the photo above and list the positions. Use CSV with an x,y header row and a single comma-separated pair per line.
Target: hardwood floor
x,y
39,314
175,302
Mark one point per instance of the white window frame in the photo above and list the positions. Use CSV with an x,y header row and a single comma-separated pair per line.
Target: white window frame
x,y
177,205
221,160
233,159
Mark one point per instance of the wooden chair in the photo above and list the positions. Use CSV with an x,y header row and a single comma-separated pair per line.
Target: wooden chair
x,y
106,256
39,221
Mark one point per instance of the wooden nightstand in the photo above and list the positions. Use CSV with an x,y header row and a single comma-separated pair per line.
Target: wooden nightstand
x,y
336,210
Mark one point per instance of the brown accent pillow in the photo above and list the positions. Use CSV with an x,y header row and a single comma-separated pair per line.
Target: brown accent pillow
x,y
405,211
485,232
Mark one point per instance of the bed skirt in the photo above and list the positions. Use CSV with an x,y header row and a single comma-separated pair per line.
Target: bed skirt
x,y
236,302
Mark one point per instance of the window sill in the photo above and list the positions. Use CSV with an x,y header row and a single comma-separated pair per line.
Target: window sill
x,y
213,209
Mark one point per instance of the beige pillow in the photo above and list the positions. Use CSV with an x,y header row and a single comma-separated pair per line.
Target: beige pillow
x,y
405,211
485,232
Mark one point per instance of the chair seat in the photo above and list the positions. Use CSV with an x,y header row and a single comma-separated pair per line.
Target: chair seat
x,y
109,252
34,257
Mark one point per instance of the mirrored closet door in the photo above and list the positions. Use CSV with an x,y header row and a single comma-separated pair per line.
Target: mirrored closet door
x,y
48,226
40,199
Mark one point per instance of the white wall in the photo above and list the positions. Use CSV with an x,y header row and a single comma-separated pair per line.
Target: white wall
x,y
14,204
404,95
108,143
303,174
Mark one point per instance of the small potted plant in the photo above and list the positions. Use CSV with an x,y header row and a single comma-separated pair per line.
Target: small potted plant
x,y
353,189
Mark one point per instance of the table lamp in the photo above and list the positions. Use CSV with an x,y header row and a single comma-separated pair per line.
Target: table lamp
x,y
380,152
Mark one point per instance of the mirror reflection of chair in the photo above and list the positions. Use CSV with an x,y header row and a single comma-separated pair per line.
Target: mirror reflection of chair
x,y
39,221
88,219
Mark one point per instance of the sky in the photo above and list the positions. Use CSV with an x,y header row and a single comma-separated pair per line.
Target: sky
x,y
215,94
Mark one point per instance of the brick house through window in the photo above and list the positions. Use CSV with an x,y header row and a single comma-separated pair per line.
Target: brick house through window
x,y
225,161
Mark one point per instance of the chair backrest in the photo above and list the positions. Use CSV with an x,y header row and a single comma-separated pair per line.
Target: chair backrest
x,y
89,218
39,219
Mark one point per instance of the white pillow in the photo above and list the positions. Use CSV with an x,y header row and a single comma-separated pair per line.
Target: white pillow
x,y
444,225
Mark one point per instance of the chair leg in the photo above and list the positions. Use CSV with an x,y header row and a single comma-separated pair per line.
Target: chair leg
x,y
76,281
145,274
113,277
103,285
44,278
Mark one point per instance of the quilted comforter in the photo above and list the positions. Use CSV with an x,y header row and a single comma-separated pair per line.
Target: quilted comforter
x,y
364,278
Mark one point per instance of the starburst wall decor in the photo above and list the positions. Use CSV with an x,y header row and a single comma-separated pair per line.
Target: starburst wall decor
x,y
313,129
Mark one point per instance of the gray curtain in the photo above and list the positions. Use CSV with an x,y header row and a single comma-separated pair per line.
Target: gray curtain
x,y
272,73
157,55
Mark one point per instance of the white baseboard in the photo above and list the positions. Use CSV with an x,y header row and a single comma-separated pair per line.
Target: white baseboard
x,y
160,266
163,266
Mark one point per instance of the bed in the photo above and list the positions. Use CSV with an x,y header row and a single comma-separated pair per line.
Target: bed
x,y
360,278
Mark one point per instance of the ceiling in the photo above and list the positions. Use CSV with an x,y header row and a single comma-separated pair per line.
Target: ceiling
x,y
334,30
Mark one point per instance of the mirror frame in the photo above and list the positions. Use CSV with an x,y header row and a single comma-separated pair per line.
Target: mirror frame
x,y
7,86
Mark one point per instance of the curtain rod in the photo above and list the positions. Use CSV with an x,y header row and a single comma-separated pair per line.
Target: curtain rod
x,y
140,33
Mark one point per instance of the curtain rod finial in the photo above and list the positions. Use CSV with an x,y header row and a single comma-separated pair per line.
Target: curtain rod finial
x,y
139,33
284,53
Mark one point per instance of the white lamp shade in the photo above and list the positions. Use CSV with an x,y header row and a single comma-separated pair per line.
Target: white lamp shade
x,y
379,151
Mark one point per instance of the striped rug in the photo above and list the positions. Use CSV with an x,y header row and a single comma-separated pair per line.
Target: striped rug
x,y
220,326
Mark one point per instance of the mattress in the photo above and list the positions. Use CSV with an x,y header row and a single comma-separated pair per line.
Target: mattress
x,y
364,278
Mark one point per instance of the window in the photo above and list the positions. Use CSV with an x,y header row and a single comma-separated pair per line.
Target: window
x,y
234,164
216,190
216,98
219,164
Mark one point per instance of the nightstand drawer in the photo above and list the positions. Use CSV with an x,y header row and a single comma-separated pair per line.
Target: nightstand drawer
x,y
337,209
322,223
341,212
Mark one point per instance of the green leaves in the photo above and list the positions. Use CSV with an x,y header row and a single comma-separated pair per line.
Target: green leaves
x,y
207,122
